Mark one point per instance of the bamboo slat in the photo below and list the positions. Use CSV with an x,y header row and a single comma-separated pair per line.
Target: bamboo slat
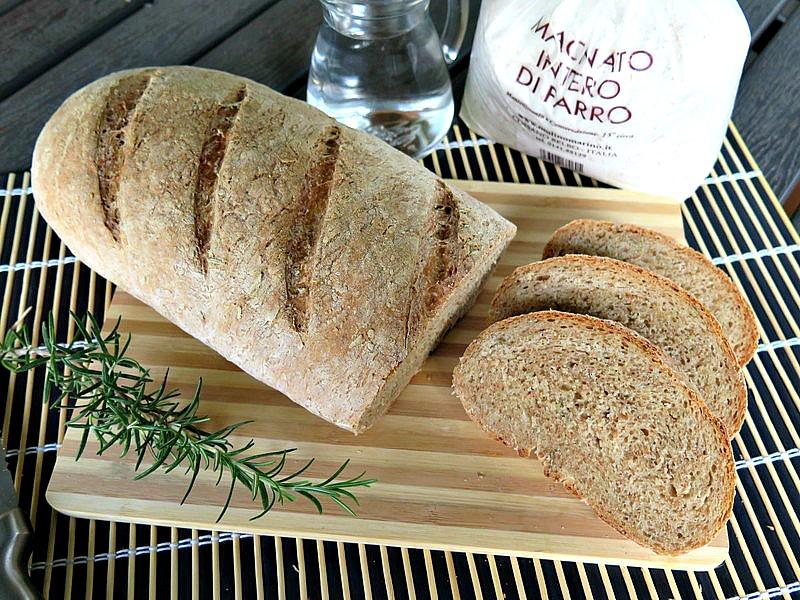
x,y
734,218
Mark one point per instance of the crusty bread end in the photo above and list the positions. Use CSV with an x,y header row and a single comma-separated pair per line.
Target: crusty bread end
x,y
663,255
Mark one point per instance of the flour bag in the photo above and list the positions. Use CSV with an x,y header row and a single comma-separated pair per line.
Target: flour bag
x,y
635,93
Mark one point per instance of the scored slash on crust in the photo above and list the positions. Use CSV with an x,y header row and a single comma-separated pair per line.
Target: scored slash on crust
x,y
211,157
112,135
308,217
439,269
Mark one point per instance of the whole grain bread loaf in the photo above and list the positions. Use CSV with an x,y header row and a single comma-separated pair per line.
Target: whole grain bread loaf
x,y
663,255
609,418
315,257
651,305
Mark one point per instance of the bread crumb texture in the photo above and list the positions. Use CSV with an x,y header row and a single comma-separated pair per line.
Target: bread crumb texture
x,y
607,417
651,305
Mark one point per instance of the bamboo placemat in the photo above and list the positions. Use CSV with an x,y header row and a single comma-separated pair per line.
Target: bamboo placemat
x,y
734,218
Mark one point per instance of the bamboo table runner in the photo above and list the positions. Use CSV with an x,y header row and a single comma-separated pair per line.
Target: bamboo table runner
x,y
733,217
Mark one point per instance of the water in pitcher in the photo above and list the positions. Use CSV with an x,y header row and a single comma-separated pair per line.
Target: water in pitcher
x,y
386,77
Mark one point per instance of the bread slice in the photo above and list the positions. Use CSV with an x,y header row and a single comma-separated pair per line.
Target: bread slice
x,y
663,255
608,418
651,305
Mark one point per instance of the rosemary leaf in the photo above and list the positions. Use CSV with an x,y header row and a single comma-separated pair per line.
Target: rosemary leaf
x,y
113,397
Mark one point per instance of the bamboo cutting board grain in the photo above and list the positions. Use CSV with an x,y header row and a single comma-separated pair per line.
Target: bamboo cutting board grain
x,y
442,483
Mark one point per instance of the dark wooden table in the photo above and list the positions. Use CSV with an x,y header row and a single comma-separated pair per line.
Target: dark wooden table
x,y
767,108
50,48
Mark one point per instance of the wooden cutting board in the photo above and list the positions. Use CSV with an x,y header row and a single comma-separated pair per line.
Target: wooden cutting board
x,y
442,483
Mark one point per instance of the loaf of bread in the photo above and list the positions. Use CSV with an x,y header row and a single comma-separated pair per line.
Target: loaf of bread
x,y
651,305
609,418
315,257
663,255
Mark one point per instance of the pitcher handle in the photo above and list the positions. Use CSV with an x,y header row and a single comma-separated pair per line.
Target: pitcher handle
x,y
455,27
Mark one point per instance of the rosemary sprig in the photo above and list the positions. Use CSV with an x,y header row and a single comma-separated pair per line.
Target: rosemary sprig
x,y
114,398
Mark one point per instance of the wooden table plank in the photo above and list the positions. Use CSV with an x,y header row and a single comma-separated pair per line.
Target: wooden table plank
x,y
7,5
760,13
767,112
278,56
266,49
64,26
163,33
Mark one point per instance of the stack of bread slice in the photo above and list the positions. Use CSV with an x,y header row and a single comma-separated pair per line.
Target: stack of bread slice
x,y
617,361
664,256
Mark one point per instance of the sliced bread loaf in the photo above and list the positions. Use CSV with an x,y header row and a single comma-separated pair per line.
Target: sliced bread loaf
x,y
651,305
663,255
609,418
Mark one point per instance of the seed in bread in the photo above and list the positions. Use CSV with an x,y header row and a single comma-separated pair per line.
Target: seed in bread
x,y
651,305
663,255
316,258
609,418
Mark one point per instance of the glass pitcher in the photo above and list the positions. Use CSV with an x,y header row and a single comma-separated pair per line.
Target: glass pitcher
x,y
380,66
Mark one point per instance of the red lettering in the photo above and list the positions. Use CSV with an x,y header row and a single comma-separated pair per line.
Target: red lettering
x,y
589,85
542,28
551,93
623,115
544,60
596,112
569,75
579,55
619,61
643,60
575,84
580,108
612,93
561,103
524,71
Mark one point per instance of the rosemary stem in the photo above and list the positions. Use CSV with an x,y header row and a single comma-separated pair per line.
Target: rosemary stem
x,y
114,399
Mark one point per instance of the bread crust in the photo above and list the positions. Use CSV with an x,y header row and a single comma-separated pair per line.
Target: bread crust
x,y
313,256
728,484
749,341
659,285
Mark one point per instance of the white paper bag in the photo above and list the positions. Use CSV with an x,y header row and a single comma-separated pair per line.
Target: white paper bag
x,y
635,93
